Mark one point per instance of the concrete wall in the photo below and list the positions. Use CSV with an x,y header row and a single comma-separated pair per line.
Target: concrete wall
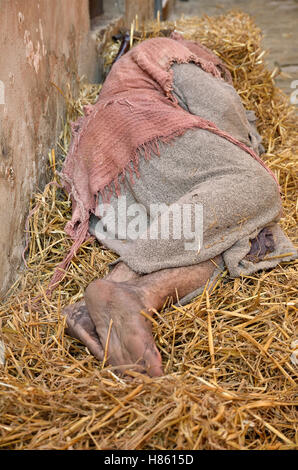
x,y
40,42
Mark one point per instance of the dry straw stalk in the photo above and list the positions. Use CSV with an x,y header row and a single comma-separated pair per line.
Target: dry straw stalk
x,y
229,382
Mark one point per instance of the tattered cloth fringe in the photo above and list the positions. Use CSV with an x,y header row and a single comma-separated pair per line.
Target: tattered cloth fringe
x,y
147,149
62,267
136,110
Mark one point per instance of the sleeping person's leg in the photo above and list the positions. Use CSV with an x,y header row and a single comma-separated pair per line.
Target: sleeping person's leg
x,y
232,210
79,323
116,310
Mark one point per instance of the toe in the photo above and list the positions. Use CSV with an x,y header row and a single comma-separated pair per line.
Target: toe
x,y
144,352
153,361
80,326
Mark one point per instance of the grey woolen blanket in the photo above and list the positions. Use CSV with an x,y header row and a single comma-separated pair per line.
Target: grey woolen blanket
x,y
238,196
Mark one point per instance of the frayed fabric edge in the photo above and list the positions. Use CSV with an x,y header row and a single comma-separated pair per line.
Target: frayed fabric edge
x,y
147,149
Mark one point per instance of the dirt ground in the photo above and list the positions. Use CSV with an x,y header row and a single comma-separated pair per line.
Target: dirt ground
x,y
278,21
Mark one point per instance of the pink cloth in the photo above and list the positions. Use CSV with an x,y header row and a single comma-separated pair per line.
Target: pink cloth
x,y
135,111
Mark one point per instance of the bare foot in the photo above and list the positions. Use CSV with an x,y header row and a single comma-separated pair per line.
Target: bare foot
x,y
79,323
81,327
117,306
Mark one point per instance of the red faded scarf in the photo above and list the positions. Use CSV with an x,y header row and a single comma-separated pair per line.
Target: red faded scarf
x,y
135,111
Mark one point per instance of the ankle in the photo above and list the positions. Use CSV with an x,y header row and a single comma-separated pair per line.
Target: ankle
x,y
147,294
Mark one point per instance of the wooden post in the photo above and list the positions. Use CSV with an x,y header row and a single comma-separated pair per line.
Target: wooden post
x,y
95,8
143,8
167,8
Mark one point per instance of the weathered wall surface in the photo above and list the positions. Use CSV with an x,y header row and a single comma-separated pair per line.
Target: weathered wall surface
x,y
40,42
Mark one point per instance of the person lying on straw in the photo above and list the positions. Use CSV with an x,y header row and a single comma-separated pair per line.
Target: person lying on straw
x,y
165,170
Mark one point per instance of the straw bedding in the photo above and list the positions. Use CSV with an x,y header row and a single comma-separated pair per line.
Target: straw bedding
x,y
230,382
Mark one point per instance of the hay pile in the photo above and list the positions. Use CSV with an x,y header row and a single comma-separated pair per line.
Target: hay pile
x,y
229,383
